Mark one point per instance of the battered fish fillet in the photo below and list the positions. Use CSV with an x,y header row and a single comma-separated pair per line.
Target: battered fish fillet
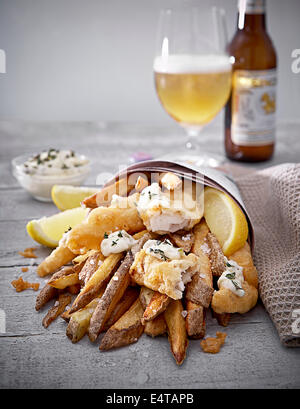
x,y
89,234
59,257
225,301
244,258
166,277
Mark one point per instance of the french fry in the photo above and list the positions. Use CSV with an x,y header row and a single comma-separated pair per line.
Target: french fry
x,y
185,240
80,320
93,286
156,306
59,257
130,295
126,330
56,310
74,289
216,255
88,235
104,196
195,320
112,295
64,281
156,327
46,294
49,292
176,330
91,264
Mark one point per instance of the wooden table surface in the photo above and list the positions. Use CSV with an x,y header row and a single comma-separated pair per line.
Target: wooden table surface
x,y
34,357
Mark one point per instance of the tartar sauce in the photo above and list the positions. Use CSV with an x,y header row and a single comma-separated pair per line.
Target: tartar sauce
x,y
54,162
232,278
116,242
163,250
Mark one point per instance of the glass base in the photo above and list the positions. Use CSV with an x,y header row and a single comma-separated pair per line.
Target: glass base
x,y
203,159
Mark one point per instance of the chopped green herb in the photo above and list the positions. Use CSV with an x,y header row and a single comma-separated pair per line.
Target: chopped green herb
x,y
120,234
105,235
114,242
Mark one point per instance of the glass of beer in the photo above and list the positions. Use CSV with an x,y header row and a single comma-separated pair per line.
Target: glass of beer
x,y
192,69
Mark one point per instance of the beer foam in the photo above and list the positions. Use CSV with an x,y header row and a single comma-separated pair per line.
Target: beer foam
x,y
188,64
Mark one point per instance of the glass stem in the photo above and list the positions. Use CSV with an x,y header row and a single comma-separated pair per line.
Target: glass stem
x,y
192,140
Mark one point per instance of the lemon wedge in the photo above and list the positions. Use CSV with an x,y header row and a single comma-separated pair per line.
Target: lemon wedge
x,y
49,230
68,197
225,220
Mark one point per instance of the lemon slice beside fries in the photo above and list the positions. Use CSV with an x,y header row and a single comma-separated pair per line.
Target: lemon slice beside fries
x,y
225,220
68,197
49,230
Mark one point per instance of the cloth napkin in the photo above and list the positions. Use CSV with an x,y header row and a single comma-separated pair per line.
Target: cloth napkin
x,y
272,199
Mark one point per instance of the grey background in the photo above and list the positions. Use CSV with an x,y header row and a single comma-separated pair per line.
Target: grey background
x,y
92,59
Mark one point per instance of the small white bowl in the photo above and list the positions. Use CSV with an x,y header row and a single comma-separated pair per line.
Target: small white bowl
x,y
39,186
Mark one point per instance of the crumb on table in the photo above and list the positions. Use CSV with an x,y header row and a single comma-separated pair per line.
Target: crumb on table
x,y
213,345
21,285
24,269
28,253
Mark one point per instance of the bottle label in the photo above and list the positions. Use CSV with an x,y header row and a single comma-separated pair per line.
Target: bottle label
x,y
252,6
253,107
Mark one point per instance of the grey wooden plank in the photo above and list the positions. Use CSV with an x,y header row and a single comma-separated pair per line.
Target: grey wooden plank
x,y
34,357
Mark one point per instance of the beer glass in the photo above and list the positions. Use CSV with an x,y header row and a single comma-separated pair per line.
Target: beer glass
x,y
192,70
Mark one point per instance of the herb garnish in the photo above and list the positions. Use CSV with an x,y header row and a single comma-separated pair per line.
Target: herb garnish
x,y
231,276
106,235
120,234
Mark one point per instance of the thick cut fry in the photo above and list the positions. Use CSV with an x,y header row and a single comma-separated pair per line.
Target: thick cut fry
x,y
131,294
64,281
104,196
126,330
195,320
59,257
216,255
200,289
89,234
46,294
91,265
201,249
56,310
112,295
93,286
185,240
156,327
80,320
176,330
157,305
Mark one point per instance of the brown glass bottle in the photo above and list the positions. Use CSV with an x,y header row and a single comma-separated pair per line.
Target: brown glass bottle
x,y
250,110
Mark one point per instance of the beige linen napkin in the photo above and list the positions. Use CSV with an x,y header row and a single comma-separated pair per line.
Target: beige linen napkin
x,y
272,198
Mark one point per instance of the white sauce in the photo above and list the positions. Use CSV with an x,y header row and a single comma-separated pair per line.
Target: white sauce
x,y
54,163
117,242
163,250
232,278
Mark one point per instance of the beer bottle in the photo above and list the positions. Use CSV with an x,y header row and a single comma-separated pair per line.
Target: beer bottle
x,y
250,110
